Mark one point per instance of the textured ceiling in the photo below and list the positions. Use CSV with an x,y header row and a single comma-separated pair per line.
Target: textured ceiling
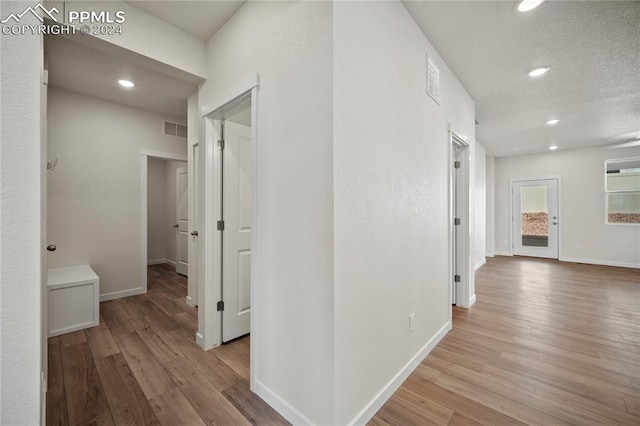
x,y
199,18
82,69
593,49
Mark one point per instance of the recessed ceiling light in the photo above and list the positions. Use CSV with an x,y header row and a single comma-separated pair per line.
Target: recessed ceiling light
x,y
126,83
527,5
537,72
553,121
553,147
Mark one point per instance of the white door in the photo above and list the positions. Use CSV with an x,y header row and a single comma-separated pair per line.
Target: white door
x,y
535,218
237,210
182,218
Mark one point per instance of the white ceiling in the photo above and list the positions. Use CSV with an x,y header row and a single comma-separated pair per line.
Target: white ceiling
x,y
593,49
88,71
199,18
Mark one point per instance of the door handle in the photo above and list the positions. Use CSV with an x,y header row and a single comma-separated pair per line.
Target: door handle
x,y
176,226
51,247
555,223
194,233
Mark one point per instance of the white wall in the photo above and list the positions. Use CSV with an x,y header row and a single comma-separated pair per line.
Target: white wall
x,y
391,158
170,49
20,247
94,193
289,44
490,188
480,194
582,218
157,234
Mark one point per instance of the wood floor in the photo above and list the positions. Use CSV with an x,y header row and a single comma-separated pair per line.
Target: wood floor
x,y
546,343
141,366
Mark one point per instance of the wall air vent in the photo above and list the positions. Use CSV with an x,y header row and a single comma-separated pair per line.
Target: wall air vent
x,y
174,129
433,80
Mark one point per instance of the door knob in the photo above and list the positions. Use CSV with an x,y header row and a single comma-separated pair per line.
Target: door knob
x,y
555,223
51,247
176,226
194,233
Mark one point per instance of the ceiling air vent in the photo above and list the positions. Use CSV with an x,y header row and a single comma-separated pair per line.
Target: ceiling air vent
x,y
175,129
433,80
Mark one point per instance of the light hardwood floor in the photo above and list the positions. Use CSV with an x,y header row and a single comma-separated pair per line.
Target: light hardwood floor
x,y
141,366
546,343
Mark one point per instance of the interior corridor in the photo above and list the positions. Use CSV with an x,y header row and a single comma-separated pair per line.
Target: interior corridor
x,y
142,366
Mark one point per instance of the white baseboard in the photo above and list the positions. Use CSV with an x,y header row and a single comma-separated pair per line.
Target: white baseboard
x,y
285,409
388,390
503,253
161,262
600,262
120,294
490,254
472,300
479,264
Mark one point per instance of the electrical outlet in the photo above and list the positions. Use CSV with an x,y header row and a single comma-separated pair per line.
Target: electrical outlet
x,y
412,322
578,246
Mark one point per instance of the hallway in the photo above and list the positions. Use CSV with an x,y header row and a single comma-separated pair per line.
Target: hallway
x,y
142,366
547,343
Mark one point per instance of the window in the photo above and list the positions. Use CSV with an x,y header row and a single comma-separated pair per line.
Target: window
x,y
622,190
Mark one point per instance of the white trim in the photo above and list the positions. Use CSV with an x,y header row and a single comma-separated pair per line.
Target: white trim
x,y
121,294
503,253
229,95
200,340
160,262
601,262
372,407
479,265
189,301
489,255
145,154
163,155
472,300
210,287
285,409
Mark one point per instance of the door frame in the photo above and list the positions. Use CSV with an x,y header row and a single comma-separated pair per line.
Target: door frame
x,y
145,154
511,212
461,291
209,333
194,202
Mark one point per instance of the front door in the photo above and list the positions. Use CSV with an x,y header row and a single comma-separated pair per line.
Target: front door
x,y
237,208
182,217
535,218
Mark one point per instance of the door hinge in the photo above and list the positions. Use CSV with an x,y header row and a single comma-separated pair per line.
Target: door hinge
x,y
456,278
221,144
220,306
220,225
456,221
456,164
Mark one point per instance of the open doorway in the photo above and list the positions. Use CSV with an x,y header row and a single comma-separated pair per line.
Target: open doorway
x,y
459,219
167,222
228,293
